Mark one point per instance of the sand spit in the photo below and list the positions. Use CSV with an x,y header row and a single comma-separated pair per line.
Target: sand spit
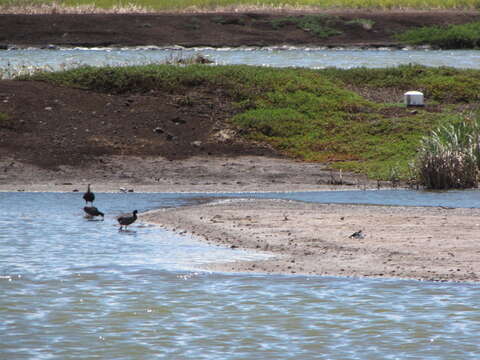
x,y
424,243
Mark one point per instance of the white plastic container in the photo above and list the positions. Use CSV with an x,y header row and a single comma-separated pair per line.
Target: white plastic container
x,y
414,98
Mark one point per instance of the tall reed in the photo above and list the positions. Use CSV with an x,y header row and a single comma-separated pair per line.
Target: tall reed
x,y
450,156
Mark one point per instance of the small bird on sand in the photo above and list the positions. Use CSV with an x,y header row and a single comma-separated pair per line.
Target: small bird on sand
x,y
357,235
92,211
89,196
126,220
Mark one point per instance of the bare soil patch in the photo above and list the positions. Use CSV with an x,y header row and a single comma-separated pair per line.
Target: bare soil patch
x,y
51,125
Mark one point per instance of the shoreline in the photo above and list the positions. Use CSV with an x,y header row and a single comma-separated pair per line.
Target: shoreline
x,y
416,243
197,174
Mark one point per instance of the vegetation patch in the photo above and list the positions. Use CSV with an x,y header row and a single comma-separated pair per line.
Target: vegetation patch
x,y
311,114
321,26
450,156
464,36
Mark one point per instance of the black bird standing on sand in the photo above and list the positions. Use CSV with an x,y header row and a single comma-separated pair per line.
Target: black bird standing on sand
x,y
89,196
126,220
92,211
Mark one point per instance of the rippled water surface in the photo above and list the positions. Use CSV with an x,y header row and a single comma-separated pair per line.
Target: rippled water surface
x,y
77,289
24,60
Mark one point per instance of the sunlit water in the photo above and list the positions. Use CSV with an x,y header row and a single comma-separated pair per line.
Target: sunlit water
x,y
25,60
77,289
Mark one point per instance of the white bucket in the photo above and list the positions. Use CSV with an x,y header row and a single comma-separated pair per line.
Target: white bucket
x,y
414,98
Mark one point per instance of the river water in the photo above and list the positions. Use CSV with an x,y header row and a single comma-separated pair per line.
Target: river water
x,y
77,289
13,62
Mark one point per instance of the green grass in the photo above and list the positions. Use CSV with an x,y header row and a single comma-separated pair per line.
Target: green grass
x,y
310,114
465,36
213,4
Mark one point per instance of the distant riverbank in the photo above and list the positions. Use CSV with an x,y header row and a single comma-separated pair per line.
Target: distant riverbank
x,y
365,28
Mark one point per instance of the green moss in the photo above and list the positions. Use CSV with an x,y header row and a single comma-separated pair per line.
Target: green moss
x,y
310,114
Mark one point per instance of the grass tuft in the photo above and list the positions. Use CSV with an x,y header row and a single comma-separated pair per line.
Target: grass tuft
x,y
450,156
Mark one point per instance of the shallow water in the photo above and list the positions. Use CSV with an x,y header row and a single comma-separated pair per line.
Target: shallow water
x,y
77,289
13,62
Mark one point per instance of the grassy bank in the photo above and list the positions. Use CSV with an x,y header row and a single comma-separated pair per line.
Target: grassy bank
x,y
465,36
181,5
353,119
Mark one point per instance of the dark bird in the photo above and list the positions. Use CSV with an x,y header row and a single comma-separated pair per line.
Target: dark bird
x,y
357,235
126,220
92,211
89,196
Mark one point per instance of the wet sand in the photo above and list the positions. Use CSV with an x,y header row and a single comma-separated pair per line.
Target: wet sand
x,y
424,243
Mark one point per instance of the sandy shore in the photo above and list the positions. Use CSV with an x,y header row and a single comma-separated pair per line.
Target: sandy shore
x,y
424,243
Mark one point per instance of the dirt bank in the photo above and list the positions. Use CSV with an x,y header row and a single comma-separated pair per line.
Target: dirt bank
x,y
400,242
217,29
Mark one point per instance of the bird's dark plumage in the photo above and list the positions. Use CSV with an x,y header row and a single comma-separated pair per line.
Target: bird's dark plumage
x,y
92,211
357,235
89,196
126,220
